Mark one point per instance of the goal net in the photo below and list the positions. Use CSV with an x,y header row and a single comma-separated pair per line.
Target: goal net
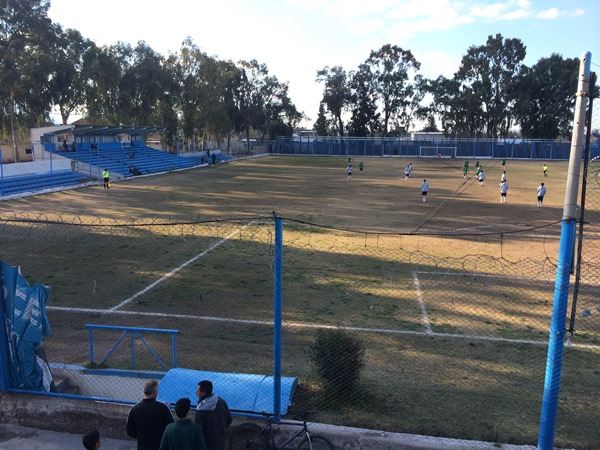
x,y
435,151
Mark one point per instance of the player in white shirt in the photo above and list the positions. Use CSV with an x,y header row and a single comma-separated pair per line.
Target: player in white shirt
x,y
503,191
541,191
481,178
424,189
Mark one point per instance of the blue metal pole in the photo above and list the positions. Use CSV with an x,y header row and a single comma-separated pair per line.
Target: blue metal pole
x,y
565,258
277,308
91,346
174,339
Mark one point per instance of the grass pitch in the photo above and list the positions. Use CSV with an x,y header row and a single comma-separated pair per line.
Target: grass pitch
x,y
451,297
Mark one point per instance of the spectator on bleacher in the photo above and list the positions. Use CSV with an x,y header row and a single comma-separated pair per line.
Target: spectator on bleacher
x,y
214,158
73,147
148,419
106,178
213,416
65,145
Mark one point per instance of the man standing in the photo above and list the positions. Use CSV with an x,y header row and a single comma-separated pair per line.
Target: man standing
x,y
361,167
503,191
106,178
349,171
148,419
541,191
213,416
183,434
545,170
424,189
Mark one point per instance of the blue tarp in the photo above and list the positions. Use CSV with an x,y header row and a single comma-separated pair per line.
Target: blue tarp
x,y
247,392
24,310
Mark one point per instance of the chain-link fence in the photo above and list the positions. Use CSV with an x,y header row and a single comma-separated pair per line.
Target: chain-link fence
x,y
380,331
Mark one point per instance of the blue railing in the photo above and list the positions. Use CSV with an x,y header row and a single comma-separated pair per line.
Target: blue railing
x,y
133,333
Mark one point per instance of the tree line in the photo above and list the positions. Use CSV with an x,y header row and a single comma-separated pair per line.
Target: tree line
x,y
194,96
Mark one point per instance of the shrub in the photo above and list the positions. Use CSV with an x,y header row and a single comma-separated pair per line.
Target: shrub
x,y
339,358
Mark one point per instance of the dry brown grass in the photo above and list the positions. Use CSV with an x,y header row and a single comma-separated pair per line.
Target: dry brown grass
x,y
440,385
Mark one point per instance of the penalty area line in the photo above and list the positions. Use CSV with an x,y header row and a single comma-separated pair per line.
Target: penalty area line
x,y
424,316
177,269
267,323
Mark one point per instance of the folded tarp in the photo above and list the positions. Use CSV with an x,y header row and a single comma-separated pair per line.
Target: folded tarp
x,y
24,311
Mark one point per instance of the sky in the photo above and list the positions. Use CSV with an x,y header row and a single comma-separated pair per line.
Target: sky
x,y
296,38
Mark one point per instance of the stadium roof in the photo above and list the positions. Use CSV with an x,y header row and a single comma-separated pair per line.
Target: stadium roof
x,y
93,130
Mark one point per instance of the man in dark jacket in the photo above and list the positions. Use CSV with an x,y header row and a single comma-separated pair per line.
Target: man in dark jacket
x,y
148,419
183,434
213,416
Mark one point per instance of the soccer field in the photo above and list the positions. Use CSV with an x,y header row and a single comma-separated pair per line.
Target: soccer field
x,y
452,297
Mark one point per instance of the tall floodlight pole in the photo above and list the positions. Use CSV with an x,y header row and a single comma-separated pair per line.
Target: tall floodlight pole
x,y
563,270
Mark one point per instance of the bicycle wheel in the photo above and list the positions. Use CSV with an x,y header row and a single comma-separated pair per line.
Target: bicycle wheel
x,y
318,443
248,436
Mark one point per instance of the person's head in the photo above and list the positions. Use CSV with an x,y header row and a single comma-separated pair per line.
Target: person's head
x,y
91,440
151,389
542,184
205,388
424,180
182,407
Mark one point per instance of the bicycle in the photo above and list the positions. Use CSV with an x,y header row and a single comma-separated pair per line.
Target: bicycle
x,y
249,435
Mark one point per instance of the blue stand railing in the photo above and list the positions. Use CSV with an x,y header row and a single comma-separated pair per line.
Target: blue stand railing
x,y
133,332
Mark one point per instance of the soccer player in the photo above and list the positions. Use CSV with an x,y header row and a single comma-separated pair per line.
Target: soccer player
x,y
424,189
503,177
481,178
503,191
349,171
541,191
361,166
407,172
545,170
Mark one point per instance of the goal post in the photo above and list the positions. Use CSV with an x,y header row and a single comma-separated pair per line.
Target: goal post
x,y
437,151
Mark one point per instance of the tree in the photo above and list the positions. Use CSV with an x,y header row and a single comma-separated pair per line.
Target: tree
x,y
490,72
365,119
321,126
545,100
103,70
23,23
336,94
67,83
457,108
141,85
391,67
260,102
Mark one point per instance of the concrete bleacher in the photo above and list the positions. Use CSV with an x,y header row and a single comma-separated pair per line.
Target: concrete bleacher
x,y
40,181
131,161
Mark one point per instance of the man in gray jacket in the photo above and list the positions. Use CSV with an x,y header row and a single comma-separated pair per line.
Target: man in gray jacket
x,y
213,416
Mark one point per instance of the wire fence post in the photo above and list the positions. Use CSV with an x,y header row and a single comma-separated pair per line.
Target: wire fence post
x,y
277,312
565,259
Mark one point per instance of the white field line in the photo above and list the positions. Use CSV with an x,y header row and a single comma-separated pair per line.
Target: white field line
x,y
424,316
177,269
313,326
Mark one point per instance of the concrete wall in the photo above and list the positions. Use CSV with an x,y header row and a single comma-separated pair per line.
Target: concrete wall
x,y
26,168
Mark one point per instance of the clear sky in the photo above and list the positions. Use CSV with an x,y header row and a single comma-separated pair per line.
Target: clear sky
x,y
295,38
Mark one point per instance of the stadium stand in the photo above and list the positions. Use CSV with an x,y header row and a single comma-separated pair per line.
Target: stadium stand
x,y
38,182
